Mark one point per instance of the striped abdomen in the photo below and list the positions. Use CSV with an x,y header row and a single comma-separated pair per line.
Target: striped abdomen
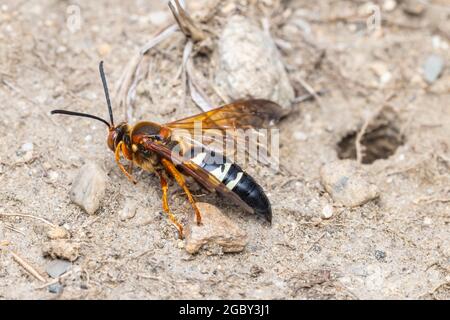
x,y
236,180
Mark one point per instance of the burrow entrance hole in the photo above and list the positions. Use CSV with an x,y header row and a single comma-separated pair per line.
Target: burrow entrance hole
x,y
381,139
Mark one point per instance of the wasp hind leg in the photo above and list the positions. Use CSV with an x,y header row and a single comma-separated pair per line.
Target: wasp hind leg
x,y
170,167
122,168
166,208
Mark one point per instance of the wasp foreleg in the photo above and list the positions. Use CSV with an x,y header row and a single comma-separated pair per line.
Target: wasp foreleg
x,y
166,208
117,154
170,167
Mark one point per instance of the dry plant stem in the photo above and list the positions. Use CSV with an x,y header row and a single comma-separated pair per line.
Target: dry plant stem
x,y
68,273
185,22
311,91
429,200
129,79
28,216
135,70
359,152
190,83
29,268
161,35
315,242
197,94
9,227
308,96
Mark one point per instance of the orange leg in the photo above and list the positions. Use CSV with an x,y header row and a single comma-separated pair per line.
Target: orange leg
x,y
117,154
166,208
170,167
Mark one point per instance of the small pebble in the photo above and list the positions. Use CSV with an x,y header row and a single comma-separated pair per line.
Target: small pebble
x,y
382,71
55,288
439,43
300,136
249,64
327,211
129,210
27,147
432,68
61,49
88,188
380,255
104,49
347,183
256,271
427,221
180,244
385,78
25,153
216,231
57,268
389,5
413,7
53,175
158,17
63,249
58,233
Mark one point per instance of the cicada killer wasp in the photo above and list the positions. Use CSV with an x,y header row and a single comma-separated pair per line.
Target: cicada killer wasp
x,y
151,146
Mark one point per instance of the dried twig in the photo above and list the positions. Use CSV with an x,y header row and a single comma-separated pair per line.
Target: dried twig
x,y
68,273
315,242
197,94
308,96
28,216
362,131
429,200
311,91
29,268
433,291
185,22
135,72
160,36
9,227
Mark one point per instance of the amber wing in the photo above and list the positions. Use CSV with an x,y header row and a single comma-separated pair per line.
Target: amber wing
x,y
256,113
219,126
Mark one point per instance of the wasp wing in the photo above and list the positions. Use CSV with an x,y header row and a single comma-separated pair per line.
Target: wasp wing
x,y
257,113
222,129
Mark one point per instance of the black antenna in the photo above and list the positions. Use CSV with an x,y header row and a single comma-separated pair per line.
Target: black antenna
x,y
80,114
105,87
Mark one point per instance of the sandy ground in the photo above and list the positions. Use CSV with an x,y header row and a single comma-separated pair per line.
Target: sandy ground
x,y
394,247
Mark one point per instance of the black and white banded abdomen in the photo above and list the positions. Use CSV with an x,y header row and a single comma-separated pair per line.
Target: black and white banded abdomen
x,y
236,180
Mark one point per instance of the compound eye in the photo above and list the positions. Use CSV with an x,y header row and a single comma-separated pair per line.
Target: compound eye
x,y
111,138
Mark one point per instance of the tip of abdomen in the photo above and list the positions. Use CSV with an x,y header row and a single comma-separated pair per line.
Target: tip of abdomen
x,y
266,214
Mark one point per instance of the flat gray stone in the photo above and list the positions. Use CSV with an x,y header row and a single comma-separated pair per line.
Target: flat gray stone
x,y
250,66
55,288
89,187
347,183
432,68
57,268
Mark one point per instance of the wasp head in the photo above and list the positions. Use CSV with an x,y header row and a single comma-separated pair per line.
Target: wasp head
x,y
116,135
